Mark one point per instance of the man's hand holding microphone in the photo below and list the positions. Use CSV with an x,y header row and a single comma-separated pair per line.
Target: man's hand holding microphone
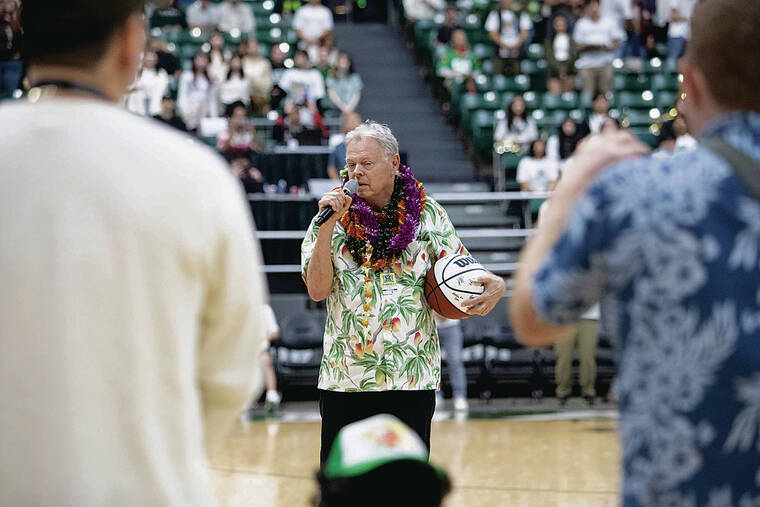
x,y
334,203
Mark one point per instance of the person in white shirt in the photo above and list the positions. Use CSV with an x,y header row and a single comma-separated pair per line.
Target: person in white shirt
x,y
600,111
537,172
218,57
509,31
560,54
131,295
302,82
196,93
311,22
620,12
235,88
678,30
596,39
203,14
258,70
518,128
236,15
149,88
415,10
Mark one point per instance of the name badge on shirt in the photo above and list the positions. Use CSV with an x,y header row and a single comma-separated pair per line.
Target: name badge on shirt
x,y
388,283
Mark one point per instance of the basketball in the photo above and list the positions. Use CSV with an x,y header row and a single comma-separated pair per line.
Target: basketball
x,y
450,282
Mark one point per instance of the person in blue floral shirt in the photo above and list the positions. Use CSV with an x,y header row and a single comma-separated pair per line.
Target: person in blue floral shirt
x,y
672,245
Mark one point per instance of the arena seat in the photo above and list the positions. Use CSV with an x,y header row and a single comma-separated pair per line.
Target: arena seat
x,y
297,354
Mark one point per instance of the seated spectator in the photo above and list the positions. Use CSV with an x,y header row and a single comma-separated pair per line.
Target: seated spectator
x,y
311,22
518,129
509,31
345,88
168,114
449,25
678,30
149,87
380,450
326,42
196,95
337,159
258,70
457,63
203,14
323,64
674,135
562,145
596,39
600,111
240,135
414,10
537,172
609,125
166,59
236,15
302,82
168,17
560,59
218,57
301,125
235,88
277,94
250,177
11,67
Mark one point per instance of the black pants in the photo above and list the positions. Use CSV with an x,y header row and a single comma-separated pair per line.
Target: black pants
x,y
414,408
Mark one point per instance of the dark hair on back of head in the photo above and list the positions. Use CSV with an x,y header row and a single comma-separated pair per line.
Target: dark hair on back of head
x,y
413,484
72,32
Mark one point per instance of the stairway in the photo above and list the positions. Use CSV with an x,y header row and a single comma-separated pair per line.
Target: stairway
x,y
396,94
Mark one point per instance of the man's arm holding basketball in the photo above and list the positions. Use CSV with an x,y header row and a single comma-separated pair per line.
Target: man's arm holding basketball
x,y
319,272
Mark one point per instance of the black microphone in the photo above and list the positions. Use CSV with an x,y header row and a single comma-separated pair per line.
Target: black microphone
x,y
349,188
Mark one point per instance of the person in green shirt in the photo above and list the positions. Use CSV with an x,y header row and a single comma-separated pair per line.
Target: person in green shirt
x,y
369,261
457,63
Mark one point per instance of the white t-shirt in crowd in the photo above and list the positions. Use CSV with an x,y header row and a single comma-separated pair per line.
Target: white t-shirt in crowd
x,y
417,9
234,89
595,122
148,90
129,308
618,11
561,47
239,16
681,29
511,25
197,15
299,82
602,32
313,20
538,173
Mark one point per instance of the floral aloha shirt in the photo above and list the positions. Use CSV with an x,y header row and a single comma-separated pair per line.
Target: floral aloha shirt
x,y
400,350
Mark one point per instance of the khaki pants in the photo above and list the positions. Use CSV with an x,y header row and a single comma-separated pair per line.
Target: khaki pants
x,y
586,337
597,79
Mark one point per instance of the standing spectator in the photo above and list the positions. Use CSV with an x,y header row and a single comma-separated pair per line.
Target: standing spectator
x,y
258,70
415,10
11,66
621,14
196,96
149,88
311,22
678,30
562,145
670,245
452,340
302,82
218,58
568,9
236,15
509,31
337,159
596,39
561,54
203,14
345,89
166,59
537,172
600,111
518,128
168,114
170,16
457,63
240,136
449,25
140,248
235,88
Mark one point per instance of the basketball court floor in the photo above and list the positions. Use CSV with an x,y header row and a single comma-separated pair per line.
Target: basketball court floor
x,y
509,452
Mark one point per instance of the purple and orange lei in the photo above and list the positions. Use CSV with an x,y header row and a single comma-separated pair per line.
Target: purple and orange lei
x,y
377,239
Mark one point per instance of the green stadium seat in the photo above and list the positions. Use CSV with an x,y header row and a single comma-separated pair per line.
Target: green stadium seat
x,y
490,101
532,100
566,101
548,120
634,100
535,52
636,118
666,100
487,67
483,51
645,135
665,82
632,82
482,132
517,84
671,66
654,66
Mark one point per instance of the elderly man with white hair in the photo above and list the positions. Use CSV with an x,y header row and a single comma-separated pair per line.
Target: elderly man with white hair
x,y
369,260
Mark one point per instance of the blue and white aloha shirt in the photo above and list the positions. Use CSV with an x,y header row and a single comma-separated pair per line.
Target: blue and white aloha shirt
x,y
672,244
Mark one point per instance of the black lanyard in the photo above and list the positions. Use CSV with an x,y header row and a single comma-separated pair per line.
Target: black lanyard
x,y
72,86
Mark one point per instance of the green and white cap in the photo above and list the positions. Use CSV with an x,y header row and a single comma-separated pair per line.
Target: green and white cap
x,y
365,445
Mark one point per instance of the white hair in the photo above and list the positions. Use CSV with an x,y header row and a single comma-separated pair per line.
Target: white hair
x,y
377,131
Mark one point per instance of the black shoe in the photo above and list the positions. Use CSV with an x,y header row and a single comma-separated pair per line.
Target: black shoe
x,y
563,400
590,400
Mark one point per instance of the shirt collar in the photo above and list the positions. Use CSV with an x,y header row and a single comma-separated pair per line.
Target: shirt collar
x,y
734,121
